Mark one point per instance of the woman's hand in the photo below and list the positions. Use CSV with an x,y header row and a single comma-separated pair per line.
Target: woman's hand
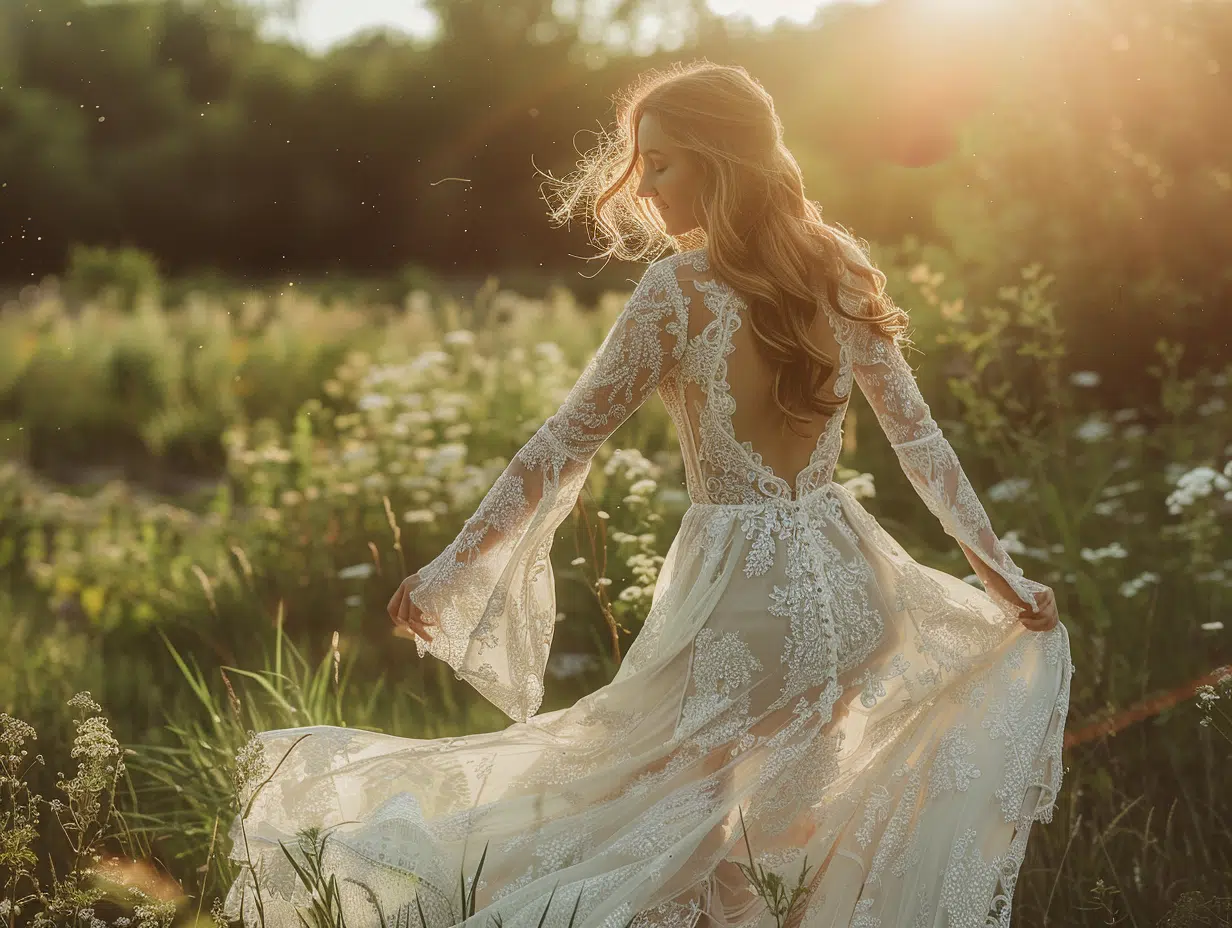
x,y
1046,618
407,617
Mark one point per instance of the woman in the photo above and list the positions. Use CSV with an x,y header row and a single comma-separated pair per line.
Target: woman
x,y
802,688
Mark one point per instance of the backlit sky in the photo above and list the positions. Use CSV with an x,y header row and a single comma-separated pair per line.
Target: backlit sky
x,y
321,23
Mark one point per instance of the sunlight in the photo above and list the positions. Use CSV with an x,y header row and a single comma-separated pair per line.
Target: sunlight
x,y
765,13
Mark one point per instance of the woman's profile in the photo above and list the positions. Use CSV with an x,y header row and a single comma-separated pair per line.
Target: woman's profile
x,y
802,690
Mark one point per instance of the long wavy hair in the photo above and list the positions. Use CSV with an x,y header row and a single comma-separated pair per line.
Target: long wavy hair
x,y
762,236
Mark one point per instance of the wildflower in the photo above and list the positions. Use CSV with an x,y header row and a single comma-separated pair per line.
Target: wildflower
x,y
1131,588
251,765
1012,544
550,352
570,664
631,594
861,486
1213,405
632,462
1084,379
419,516
1198,483
1009,489
1093,430
14,733
459,337
1212,626
374,401
1094,555
85,703
356,572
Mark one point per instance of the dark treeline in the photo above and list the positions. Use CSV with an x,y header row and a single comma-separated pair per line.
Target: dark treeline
x,y
1091,137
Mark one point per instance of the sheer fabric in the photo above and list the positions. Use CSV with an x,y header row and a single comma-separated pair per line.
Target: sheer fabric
x,y
798,670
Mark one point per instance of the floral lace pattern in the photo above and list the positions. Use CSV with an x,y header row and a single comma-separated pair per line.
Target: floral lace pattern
x,y
798,673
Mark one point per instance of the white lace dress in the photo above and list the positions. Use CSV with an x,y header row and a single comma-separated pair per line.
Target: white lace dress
x,y
894,724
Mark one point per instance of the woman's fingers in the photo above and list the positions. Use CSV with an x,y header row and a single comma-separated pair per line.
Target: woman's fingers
x,y
395,602
404,612
1046,618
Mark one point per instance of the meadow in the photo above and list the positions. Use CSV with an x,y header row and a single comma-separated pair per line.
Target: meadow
x,y
189,596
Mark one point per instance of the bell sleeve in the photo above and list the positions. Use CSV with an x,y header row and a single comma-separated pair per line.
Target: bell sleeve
x,y
492,592
924,453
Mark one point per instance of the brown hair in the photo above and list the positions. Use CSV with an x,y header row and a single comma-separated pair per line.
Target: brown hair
x,y
762,236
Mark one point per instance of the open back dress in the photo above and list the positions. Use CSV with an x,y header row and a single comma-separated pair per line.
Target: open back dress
x,y
799,675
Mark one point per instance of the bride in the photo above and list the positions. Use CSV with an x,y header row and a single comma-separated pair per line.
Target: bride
x,y
803,692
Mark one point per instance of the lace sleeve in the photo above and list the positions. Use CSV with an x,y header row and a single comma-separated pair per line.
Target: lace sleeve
x,y
492,592
924,453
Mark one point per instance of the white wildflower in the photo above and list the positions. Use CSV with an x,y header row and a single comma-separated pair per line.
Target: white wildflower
x,y
570,664
356,572
374,401
1009,489
1121,489
1135,431
459,337
1095,555
550,352
1213,405
427,361
1131,588
1012,543
861,486
1212,626
1093,430
1122,416
1196,484
1084,379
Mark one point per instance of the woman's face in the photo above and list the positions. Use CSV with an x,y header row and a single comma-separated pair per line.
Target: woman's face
x,y
669,177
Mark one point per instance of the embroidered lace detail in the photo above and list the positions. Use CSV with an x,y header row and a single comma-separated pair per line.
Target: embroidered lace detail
x,y
924,454
798,673
492,590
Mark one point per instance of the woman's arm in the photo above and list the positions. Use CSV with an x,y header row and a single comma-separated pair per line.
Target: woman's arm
x,y
489,597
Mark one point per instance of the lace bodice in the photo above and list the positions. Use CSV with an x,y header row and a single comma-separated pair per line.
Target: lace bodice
x,y
719,468
491,592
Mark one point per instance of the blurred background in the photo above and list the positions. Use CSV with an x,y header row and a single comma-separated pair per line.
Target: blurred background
x,y
279,300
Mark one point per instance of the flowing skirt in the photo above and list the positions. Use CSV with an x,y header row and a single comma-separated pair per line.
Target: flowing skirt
x,y
802,688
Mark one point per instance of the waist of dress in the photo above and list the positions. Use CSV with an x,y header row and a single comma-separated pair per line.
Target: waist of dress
x,y
812,497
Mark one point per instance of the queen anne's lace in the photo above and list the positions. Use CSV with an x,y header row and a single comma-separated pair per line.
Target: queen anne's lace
x,y
797,667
